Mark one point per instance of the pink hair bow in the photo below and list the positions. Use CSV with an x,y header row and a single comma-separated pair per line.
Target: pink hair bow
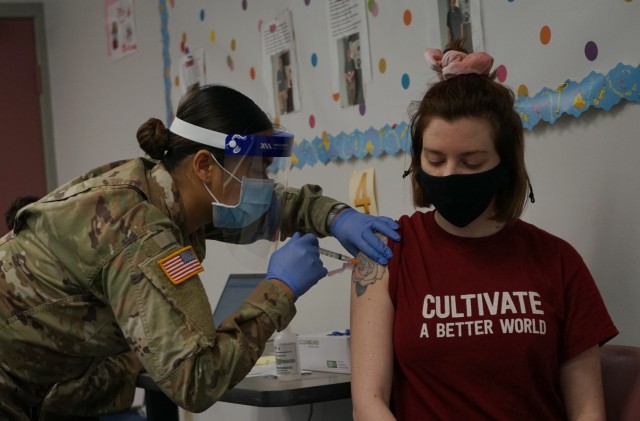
x,y
455,63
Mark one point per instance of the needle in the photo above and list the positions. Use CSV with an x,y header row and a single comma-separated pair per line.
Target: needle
x,y
338,256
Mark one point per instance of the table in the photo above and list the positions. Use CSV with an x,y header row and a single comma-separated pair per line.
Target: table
x,y
262,391
312,387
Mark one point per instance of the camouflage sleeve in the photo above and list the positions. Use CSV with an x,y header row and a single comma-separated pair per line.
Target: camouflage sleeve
x,y
107,387
171,329
306,210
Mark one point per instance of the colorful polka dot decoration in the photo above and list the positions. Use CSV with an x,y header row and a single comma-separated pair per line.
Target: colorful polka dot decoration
x,y
531,109
406,81
382,65
501,73
591,51
545,35
407,17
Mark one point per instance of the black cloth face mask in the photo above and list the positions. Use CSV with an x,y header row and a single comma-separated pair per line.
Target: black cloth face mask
x,y
461,198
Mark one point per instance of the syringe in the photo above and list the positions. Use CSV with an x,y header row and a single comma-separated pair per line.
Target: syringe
x,y
338,256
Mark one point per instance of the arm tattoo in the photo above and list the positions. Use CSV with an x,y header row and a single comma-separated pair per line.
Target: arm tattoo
x,y
367,272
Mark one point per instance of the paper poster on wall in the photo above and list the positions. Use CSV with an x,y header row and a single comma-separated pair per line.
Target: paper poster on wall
x,y
349,49
120,28
455,19
362,191
192,70
280,63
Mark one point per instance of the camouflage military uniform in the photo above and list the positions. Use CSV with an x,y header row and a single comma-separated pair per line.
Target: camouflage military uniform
x,y
84,303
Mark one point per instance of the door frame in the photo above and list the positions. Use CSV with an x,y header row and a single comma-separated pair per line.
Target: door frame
x,y
36,12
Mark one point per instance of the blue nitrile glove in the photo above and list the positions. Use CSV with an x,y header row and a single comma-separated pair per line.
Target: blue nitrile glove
x,y
356,232
297,264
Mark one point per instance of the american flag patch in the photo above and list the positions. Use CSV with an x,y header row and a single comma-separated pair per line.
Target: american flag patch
x,y
181,265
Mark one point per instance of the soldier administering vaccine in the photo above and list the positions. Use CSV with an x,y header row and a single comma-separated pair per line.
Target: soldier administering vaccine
x,y
99,279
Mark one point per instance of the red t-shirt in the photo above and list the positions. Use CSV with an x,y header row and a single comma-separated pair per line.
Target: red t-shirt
x,y
482,325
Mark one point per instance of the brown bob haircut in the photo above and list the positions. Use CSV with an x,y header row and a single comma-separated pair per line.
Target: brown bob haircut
x,y
476,96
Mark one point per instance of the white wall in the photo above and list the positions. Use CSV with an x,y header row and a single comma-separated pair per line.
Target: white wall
x,y
584,170
98,104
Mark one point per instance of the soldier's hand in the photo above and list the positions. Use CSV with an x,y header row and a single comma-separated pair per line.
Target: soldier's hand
x,y
297,264
356,232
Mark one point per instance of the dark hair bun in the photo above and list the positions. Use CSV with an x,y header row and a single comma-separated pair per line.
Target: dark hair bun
x,y
152,137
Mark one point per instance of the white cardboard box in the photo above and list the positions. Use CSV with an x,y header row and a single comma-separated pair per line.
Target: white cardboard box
x,y
324,352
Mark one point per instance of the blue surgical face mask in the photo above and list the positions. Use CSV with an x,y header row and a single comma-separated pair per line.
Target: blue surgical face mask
x,y
255,200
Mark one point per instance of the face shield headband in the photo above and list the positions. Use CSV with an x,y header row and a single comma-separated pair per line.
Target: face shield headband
x,y
276,145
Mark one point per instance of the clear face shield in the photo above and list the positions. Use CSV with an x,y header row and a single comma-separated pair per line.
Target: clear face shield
x,y
248,197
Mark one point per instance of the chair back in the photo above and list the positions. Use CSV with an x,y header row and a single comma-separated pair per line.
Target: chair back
x,y
621,381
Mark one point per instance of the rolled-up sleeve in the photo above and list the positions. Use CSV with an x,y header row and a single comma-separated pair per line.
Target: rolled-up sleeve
x,y
306,210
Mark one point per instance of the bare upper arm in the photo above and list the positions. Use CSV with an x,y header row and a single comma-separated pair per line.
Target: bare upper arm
x,y
371,333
